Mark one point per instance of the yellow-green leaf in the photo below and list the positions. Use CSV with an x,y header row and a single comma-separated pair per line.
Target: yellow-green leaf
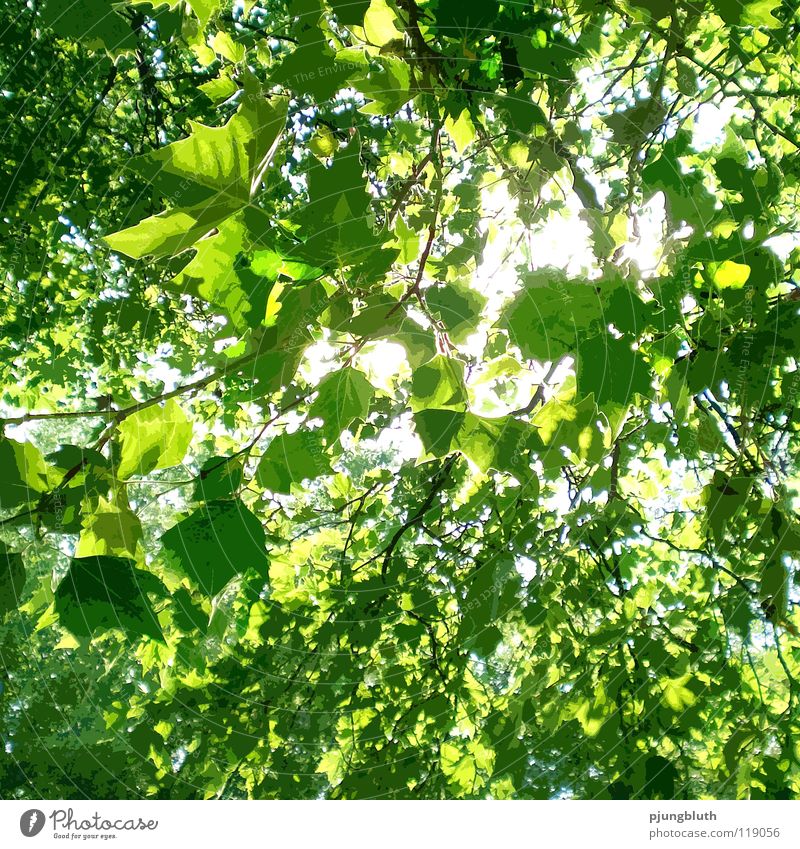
x,y
153,438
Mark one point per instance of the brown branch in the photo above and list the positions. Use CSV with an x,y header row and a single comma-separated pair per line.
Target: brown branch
x,y
437,483
687,644
613,487
704,554
430,58
434,644
86,124
409,185
254,29
414,289
538,396
120,415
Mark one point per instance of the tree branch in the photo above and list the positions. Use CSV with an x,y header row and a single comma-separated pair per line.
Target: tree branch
x,y
438,482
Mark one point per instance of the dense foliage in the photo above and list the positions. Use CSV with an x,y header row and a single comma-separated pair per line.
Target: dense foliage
x,y
399,399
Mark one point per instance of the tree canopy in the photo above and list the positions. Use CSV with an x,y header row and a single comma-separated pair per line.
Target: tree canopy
x,y
399,399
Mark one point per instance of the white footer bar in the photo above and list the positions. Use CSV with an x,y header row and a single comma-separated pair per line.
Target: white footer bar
x,y
402,824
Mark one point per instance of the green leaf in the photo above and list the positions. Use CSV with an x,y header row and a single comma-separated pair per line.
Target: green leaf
x,y
461,130
312,69
593,713
218,273
724,499
611,370
188,616
323,143
492,595
224,45
686,77
657,8
350,11
773,590
458,306
733,747
12,579
379,315
685,191
100,594
109,529
549,54
478,439
221,162
220,89
23,473
333,225
204,9
660,777
677,694
464,17
408,241
458,766
388,85
343,396
437,429
631,127
210,176
550,314
216,543
292,458
761,13
439,384
220,477
93,22
153,438
381,23
729,274
571,426
173,231
757,13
